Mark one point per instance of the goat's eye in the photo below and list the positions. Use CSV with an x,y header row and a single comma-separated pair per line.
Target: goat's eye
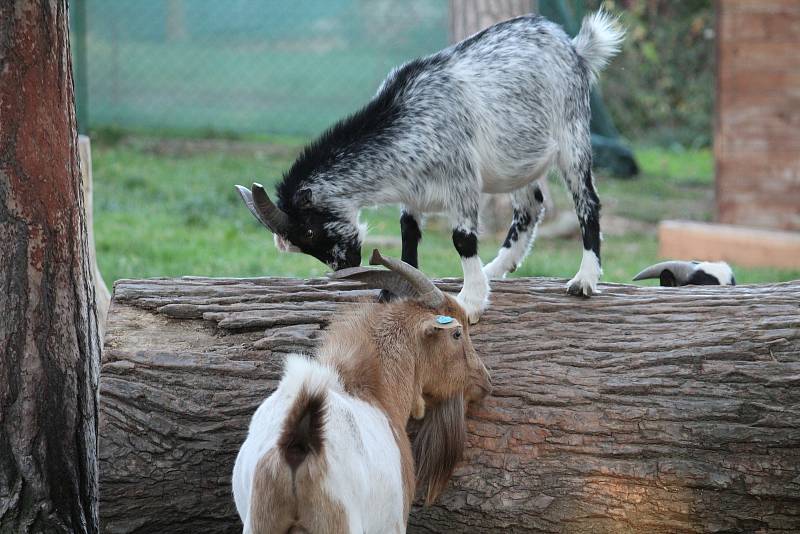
x,y
457,333
309,233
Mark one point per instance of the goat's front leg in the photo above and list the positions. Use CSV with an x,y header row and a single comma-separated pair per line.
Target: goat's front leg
x,y
411,235
474,295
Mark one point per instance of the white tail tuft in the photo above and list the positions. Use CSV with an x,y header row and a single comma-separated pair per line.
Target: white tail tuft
x,y
598,41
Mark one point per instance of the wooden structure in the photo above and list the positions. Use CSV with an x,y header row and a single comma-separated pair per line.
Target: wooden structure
x,y
757,141
101,294
638,410
757,138
749,247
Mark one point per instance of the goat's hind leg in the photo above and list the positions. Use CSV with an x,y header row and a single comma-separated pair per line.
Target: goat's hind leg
x,y
579,179
528,204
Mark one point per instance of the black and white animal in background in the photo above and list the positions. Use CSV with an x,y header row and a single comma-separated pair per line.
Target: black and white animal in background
x,y
688,273
491,114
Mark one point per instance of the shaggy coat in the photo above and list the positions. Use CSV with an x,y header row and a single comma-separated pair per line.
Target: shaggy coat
x,y
491,114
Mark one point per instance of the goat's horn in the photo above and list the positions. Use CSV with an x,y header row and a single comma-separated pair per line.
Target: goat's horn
x,y
262,208
389,280
681,270
427,293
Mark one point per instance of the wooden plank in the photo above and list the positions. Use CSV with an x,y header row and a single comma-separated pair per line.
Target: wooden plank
x,y
685,240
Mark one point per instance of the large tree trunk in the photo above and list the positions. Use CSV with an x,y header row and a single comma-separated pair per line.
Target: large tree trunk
x,y
638,410
49,344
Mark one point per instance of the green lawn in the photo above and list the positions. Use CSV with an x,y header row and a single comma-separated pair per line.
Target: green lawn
x,y
172,215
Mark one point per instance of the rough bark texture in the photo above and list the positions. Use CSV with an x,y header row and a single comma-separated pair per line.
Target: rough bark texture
x,y
639,410
49,344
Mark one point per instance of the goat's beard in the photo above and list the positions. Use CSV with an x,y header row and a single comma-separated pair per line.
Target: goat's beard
x,y
439,446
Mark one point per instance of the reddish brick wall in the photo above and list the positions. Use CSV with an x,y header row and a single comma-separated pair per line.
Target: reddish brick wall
x,y
757,140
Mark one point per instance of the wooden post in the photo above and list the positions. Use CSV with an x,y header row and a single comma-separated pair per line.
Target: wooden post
x,y
653,410
101,293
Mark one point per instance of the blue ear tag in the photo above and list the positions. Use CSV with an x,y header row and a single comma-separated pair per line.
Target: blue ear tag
x,y
444,319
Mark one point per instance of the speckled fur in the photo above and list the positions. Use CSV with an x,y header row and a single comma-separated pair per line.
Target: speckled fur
x,y
490,114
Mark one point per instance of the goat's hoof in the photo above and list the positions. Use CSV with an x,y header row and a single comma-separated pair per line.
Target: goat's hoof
x,y
473,311
580,287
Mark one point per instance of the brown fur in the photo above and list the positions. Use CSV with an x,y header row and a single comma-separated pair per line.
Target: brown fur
x,y
439,446
303,429
276,508
390,355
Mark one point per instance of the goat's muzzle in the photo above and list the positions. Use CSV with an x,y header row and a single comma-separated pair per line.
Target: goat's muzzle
x,y
480,386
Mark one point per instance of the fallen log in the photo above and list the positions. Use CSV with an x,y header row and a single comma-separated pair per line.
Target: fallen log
x,y
639,410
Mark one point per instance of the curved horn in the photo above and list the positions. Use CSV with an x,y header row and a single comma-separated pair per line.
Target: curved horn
x,y
262,208
428,293
389,280
247,198
681,270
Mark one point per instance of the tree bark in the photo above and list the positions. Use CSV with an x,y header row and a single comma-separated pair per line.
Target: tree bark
x,y
638,410
49,344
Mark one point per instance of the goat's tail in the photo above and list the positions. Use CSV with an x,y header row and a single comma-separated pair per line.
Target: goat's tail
x,y
303,429
598,41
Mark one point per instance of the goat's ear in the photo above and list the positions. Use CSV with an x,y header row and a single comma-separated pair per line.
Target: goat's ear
x,y
302,198
435,323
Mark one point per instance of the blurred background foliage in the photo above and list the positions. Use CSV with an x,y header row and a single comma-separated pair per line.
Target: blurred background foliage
x,y
188,97
660,90
244,67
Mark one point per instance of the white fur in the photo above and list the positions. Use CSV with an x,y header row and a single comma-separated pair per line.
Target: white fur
x,y
588,275
474,295
508,259
598,41
363,460
719,270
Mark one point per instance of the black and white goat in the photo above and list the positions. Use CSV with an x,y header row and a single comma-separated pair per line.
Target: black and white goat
x,y
491,114
689,273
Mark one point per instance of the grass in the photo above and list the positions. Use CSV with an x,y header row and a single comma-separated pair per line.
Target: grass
x,y
174,215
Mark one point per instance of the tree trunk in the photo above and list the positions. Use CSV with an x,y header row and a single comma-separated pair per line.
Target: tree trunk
x,y
49,344
468,17
638,410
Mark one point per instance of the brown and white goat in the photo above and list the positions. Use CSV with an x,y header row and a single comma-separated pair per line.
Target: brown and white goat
x,y
328,450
